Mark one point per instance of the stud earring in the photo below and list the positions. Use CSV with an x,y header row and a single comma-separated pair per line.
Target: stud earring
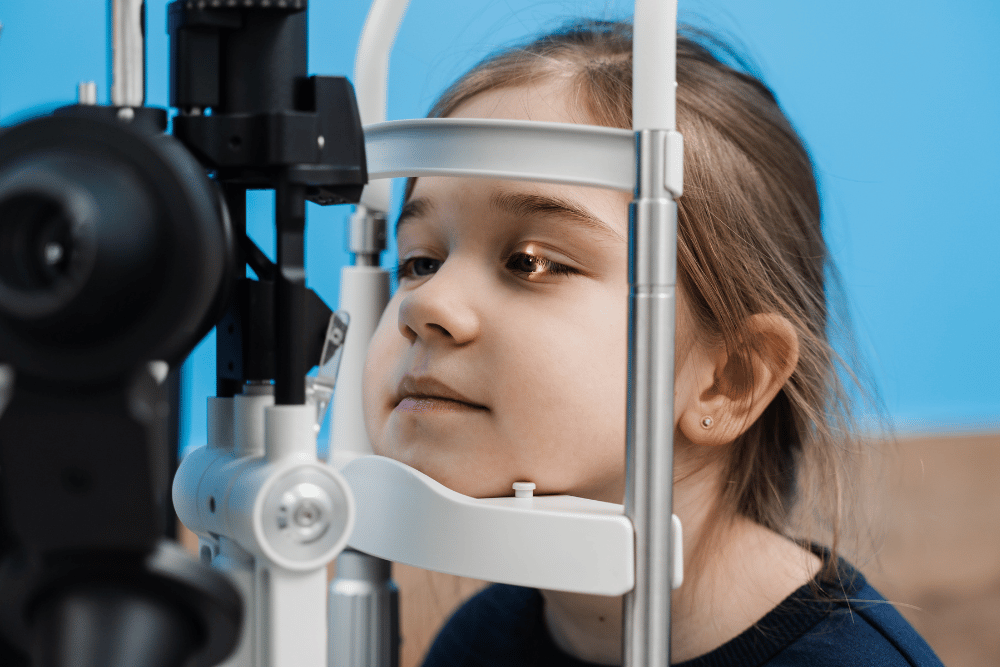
x,y
706,422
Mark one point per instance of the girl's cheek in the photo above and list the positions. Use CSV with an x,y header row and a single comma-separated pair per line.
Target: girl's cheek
x,y
376,377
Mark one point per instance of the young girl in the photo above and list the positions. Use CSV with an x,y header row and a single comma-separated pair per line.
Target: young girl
x,y
502,357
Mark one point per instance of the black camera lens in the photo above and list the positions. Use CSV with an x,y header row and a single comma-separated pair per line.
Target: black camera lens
x,y
53,208
36,242
114,249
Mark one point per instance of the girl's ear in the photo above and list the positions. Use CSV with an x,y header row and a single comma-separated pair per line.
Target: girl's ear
x,y
723,394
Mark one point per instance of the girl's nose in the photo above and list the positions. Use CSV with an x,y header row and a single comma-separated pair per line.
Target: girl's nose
x,y
439,309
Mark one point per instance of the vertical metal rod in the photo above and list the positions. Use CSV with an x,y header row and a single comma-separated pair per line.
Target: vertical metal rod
x,y
364,613
174,383
236,205
363,600
649,435
289,296
128,53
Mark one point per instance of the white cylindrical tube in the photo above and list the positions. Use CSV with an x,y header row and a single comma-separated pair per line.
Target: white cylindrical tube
x,y
128,54
364,292
239,564
654,65
285,596
289,431
86,93
187,486
371,80
248,419
220,424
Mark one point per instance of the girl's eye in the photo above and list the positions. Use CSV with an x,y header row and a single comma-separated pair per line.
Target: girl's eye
x,y
532,266
417,267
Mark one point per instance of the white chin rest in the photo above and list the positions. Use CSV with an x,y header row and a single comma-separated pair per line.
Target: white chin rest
x,y
551,542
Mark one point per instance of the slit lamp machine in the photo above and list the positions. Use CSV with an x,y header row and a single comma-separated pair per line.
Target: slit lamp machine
x,y
122,246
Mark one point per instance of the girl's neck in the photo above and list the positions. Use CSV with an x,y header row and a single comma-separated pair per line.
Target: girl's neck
x,y
746,571
751,572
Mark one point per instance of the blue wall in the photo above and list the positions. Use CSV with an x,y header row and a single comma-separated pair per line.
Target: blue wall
x,y
899,101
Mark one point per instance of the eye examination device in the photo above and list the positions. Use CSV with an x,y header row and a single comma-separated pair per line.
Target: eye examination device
x,y
122,246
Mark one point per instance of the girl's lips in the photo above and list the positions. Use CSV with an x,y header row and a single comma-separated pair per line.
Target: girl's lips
x,y
435,404
421,394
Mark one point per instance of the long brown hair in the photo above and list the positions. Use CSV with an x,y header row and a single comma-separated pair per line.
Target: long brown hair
x,y
749,241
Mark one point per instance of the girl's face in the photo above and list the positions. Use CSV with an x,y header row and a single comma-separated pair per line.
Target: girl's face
x,y
502,355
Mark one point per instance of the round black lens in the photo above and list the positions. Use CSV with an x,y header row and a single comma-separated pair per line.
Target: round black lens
x,y
36,242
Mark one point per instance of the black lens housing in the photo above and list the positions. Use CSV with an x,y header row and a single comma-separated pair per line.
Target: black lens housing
x,y
115,249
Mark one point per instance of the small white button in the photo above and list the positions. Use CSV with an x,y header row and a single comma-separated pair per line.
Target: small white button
x,y
524,489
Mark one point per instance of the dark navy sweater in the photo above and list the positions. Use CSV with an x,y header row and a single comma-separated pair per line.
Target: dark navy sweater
x,y
844,622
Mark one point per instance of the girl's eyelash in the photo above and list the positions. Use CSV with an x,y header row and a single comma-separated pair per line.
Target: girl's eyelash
x,y
406,268
550,267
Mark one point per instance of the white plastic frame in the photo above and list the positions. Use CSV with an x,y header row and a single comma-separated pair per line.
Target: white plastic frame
x,y
509,149
564,153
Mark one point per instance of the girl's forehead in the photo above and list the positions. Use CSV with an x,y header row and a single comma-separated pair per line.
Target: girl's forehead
x,y
545,100
603,213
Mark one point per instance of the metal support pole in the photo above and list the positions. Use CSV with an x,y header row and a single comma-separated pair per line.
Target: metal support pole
x,y
364,613
366,236
363,599
649,439
128,53
289,296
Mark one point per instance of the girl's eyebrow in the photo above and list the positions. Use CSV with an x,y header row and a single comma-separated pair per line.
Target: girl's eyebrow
x,y
416,207
521,204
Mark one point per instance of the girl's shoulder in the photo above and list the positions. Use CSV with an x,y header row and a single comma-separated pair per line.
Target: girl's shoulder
x,y
827,623
823,624
499,626
862,628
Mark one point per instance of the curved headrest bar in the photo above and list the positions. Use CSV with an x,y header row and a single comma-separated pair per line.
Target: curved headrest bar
x,y
508,149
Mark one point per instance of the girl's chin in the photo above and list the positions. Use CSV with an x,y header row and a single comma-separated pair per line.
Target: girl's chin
x,y
459,476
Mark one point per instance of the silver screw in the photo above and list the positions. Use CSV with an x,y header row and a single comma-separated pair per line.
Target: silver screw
x,y
86,93
307,510
307,513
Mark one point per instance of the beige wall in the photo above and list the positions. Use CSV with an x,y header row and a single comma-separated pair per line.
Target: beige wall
x,y
939,555
941,550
